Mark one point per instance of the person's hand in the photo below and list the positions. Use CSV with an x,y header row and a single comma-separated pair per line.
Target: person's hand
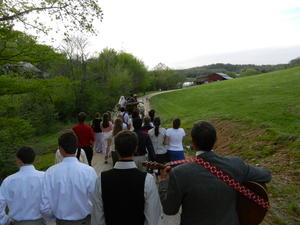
x,y
164,173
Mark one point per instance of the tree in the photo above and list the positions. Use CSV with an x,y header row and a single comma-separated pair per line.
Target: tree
x,y
165,78
249,72
16,46
295,62
75,14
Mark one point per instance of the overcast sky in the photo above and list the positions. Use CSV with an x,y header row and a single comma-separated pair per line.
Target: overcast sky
x,y
185,33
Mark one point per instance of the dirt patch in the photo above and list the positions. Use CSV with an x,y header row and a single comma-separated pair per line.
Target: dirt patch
x,y
294,109
256,148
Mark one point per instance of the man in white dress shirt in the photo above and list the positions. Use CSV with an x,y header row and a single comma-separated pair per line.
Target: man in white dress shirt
x,y
21,192
125,195
68,186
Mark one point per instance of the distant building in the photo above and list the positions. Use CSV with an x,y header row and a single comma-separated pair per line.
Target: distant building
x,y
24,67
187,84
212,78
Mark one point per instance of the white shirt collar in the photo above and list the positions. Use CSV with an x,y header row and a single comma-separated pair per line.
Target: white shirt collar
x,y
201,152
27,168
125,165
70,159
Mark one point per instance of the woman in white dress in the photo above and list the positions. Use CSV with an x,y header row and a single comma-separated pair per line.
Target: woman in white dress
x,y
106,127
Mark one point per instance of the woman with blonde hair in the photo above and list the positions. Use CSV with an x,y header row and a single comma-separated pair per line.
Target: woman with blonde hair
x,y
118,126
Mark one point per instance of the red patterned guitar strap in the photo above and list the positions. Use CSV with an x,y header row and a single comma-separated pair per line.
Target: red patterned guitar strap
x,y
226,178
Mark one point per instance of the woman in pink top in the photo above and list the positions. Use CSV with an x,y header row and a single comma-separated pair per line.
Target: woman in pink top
x,y
106,127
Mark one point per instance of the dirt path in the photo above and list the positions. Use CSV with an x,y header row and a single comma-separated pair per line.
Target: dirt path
x,y
146,99
99,165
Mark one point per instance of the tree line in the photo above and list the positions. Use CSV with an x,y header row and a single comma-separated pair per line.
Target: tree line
x,y
235,70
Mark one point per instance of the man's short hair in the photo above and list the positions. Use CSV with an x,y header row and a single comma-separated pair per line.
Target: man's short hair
x,y
68,141
126,143
204,135
81,117
26,155
147,120
176,123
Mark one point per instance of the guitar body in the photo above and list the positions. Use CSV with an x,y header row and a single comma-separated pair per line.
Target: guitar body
x,y
248,211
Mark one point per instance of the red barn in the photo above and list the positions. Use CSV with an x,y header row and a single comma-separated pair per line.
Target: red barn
x,y
212,78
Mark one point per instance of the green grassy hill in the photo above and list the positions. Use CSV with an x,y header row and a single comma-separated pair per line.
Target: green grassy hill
x,y
258,119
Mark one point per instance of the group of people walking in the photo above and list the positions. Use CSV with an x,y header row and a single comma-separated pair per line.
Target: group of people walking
x,y
154,142
71,193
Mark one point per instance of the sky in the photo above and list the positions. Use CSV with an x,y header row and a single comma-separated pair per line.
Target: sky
x,y
188,33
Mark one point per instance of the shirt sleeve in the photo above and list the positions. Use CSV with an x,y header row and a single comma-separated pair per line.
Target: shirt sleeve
x,y
183,132
152,209
258,174
91,187
98,211
170,195
167,132
4,218
45,207
83,158
58,157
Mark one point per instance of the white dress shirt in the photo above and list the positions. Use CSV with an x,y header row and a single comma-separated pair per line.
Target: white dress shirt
x,y
21,192
152,208
67,190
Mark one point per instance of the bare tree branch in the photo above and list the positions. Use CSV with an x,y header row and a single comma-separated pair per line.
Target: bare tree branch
x,y
19,14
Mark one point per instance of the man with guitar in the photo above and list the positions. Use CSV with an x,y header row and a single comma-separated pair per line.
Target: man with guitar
x,y
205,197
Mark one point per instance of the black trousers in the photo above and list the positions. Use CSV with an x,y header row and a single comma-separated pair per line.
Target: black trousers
x,y
162,158
89,154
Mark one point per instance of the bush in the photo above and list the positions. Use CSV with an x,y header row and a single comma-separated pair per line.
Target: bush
x,y
12,136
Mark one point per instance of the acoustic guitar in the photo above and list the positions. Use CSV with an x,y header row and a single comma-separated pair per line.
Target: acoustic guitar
x,y
249,212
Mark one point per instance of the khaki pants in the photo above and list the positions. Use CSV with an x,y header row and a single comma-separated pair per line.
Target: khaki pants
x,y
85,221
30,222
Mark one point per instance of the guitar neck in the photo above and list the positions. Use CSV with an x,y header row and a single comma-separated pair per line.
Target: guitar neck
x,y
154,165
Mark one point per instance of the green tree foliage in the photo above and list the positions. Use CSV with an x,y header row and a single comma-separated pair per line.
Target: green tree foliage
x,y
249,72
76,14
295,62
164,78
31,105
226,68
16,46
13,132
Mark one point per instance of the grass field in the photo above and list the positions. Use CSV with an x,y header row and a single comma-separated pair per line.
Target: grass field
x,y
46,146
258,119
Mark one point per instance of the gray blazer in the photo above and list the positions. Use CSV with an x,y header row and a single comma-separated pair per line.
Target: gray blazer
x,y
205,199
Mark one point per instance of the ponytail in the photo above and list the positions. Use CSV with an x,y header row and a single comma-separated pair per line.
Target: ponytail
x,y
156,131
156,123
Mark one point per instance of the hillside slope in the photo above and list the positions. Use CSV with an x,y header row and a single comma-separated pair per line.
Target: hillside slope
x,y
258,119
